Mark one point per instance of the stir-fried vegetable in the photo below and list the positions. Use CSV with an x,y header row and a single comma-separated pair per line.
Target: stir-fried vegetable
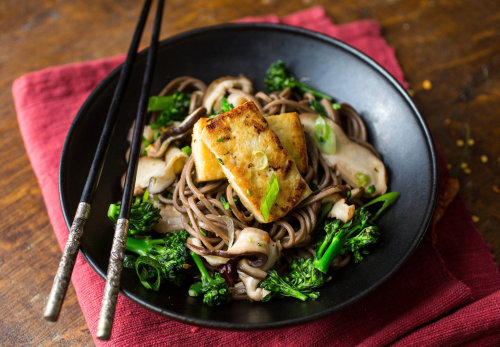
x,y
306,275
279,78
352,236
173,107
143,215
214,289
159,260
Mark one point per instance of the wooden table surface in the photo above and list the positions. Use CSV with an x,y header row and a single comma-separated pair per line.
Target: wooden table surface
x,y
449,51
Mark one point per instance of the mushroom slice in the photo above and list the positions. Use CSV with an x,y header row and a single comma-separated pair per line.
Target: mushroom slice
x,y
218,89
176,132
171,220
251,284
342,211
158,174
357,165
158,148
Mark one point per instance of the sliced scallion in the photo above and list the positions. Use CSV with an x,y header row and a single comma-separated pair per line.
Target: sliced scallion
x,y
269,197
260,158
324,137
187,150
363,179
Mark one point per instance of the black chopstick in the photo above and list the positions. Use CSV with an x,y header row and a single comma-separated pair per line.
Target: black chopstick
x,y
115,265
63,275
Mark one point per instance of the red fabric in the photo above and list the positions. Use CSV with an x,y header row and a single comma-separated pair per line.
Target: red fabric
x,y
446,294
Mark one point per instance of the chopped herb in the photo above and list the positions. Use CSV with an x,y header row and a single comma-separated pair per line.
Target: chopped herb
x,y
249,192
220,161
144,153
236,199
375,169
269,197
259,244
187,150
225,203
220,139
363,179
225,107
249,239
348,194
371,189
157,135
336,106
203,232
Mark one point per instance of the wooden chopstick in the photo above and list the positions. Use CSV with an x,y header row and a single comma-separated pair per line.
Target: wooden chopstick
x,y
120,237
67,262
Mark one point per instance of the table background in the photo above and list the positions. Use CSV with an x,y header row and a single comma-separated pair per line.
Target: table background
x,y
454,45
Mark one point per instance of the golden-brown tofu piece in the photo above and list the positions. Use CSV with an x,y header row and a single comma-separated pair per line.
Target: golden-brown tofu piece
x,y
207,167
237,138
291,134
288,128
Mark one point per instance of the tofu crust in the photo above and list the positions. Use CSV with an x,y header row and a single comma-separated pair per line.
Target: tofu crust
x,y
234,137
286,126
291,134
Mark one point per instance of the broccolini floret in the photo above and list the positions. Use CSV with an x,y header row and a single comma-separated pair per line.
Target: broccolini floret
x,y
174,107
160,260
214,289
279,78
352,236
306,275
143,215
298,283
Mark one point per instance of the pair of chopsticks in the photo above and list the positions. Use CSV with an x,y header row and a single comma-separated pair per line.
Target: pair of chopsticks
x,y
63,275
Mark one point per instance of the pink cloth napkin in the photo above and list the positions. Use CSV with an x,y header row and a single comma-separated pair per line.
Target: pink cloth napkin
x,y
448,293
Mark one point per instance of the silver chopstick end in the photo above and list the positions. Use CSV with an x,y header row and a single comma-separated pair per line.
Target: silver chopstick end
x,y
112,287
63,275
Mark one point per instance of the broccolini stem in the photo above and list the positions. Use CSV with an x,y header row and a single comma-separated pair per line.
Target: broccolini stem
x,y
141,246
334,249
201,266
387,199
306,89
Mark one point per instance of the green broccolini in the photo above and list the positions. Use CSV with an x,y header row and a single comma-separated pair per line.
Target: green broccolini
x,y
306,275
160,260
143,215
299,282
214,289
352,236
279,78
174,107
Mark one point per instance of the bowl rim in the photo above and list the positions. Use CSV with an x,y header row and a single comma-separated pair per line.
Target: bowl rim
x,y
266,27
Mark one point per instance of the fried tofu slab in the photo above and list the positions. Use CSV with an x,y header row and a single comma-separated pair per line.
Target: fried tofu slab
x,y
288,128
291,134
206,164
239,139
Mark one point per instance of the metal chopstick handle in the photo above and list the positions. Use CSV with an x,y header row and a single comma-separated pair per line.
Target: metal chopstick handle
x,y
63,275
112,287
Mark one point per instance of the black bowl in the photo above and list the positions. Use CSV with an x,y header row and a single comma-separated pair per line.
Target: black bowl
x,y
395,128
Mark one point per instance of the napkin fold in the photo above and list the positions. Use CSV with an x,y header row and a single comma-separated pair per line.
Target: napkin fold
x,y
447,293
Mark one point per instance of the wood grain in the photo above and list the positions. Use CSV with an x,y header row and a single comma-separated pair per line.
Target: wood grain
x,y
451,44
